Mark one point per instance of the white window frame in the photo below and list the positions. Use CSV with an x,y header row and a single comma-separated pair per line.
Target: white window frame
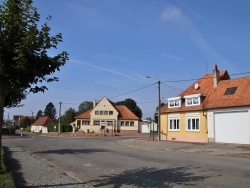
x,y
193,98
174,118
175,101
193,120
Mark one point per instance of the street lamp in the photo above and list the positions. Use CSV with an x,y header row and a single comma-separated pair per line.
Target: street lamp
x,y
159,106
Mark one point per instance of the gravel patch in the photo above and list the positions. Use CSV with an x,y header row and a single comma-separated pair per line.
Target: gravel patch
x,y
29,171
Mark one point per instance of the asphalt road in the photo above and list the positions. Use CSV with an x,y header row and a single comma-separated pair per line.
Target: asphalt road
x,y
102,163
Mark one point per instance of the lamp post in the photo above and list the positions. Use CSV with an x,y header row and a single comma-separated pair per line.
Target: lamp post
x,y
159,107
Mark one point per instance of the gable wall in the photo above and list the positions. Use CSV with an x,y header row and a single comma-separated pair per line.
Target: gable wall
x,y
103,105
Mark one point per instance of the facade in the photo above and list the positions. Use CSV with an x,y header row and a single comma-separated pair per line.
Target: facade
x,y
40,124
228,112
106,115
214,109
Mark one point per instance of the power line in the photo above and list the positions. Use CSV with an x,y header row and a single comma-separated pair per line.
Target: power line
x,y
133,91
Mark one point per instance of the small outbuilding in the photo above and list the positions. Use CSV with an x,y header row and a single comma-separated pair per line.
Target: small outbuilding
x,y
40,125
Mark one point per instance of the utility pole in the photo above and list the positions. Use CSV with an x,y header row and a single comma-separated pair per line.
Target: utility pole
x,y
59,125
159,109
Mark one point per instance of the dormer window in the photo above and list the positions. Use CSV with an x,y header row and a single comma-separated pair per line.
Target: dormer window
x,y
174,102
193,99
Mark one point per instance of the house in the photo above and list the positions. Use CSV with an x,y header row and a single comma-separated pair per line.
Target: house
x,y
213,109
228,111
109,116
40,125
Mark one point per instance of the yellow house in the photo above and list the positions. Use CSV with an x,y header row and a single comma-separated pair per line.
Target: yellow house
x,y
106,115
184,118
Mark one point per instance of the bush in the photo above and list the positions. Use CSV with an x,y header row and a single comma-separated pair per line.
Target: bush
x,y
63,128
27,129
7,131
6,179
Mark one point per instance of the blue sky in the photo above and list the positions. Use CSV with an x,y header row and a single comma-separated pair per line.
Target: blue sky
x,y
114,44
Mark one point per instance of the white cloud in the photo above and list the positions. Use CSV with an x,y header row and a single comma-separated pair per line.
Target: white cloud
x,y
172,13
110,70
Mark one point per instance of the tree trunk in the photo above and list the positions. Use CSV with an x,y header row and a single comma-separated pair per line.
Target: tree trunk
x,y
2,98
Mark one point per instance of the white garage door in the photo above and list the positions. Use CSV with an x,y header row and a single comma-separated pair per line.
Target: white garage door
x,y
232,127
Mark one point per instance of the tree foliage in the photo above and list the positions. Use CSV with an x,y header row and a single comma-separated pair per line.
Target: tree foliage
x,y
50,111
84,106
39,114
24,46
156,112
69,116
131,105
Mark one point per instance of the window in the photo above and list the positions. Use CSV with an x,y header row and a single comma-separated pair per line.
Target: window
x,y
122,123
105,112
127,123
230,91
96,122
101,112
193,99
193,124
174,102
132,123
110,112
174,124
85,122
96,112
110,122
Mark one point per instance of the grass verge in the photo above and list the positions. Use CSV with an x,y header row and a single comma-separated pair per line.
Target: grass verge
x,y
6,179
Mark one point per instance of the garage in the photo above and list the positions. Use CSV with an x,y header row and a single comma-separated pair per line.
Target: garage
x,y
232,127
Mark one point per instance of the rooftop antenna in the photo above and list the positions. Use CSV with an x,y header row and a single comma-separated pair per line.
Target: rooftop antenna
x,y
206,68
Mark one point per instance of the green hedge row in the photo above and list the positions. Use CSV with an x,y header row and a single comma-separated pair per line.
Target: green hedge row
x,y
63,128
6,179
7,131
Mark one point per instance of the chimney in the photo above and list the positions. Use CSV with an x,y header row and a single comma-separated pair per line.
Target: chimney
x,y
216,76
94,103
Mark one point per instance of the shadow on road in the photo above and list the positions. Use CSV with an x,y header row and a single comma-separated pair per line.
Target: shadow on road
x,y
72,151
151,177
14,167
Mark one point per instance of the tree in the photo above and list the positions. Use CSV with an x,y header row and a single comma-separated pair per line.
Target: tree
x,y
39,114
131,105
26,122
156,113
69,116
85,106
24,59
50,110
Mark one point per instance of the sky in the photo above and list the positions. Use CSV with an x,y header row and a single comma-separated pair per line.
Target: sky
x,y
114,44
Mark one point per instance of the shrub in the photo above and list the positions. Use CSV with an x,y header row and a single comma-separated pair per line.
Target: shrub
x,y
27,129
6,179
8,131
63,128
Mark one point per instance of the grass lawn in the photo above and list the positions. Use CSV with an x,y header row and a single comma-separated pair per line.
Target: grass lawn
x,y
6,179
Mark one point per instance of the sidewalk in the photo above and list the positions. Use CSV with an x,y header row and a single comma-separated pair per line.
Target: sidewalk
x,y
221,149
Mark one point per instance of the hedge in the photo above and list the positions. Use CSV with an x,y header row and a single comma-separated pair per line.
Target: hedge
x,y
63,128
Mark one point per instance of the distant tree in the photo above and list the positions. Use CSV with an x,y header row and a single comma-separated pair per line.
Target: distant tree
x,y
149,119
26,122
131,105
69,116
156,113
85,106
50,111
39,114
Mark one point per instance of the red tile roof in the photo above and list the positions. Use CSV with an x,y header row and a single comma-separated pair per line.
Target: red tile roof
x,y
85,115
43,121
124,113
241,97
205,87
